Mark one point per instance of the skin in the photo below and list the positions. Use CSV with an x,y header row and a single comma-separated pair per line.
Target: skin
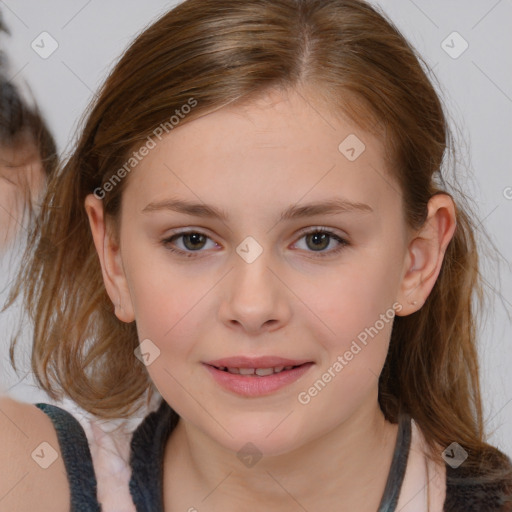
x,y
254,161
21,170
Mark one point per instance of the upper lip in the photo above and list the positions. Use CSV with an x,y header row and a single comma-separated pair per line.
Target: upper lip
x,y
256,362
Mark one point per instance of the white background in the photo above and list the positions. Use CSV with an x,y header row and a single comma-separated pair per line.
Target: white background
x,y
476,86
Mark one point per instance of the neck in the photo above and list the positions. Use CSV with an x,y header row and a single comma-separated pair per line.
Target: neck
x,y
345,469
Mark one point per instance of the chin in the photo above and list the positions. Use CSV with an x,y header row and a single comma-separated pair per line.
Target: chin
x,y
266,438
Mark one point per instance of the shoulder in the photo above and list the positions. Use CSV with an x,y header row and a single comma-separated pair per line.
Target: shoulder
x,y
480,483
30,458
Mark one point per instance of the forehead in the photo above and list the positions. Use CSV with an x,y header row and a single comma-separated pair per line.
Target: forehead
x,y
281,145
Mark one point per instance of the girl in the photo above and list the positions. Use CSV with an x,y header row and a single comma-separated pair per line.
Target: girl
x,y
255,228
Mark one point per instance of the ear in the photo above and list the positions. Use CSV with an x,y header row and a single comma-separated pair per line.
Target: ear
x,y
425,254
109,254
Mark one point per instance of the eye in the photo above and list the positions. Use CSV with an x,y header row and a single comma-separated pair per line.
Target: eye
x,y
320,238
194,241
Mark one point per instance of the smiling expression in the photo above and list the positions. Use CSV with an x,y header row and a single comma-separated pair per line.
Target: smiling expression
x,y
248,232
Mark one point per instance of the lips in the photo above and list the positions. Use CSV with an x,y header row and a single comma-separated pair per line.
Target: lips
x,y
256,384
259,376
256,362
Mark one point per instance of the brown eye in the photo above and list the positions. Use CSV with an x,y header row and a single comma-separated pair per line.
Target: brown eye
x,y
196,240
319,239
192,242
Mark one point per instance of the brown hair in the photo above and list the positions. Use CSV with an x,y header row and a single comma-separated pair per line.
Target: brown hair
x,y
218,52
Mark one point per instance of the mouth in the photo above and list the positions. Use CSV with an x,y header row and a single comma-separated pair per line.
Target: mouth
x,y
256,381
257,372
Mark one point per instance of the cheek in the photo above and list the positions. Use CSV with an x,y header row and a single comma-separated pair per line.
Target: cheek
x,y
353,299
170,304
168,310
355,311
360,316
167,305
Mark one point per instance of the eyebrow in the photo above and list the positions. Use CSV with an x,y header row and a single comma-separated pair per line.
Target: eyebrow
x,y
328,207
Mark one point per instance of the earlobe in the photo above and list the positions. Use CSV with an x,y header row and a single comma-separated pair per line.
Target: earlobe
x,y
426,252
110,260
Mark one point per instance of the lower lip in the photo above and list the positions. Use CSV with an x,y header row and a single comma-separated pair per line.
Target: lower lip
x,y
253,385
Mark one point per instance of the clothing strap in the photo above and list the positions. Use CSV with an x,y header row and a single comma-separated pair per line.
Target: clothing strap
x,y
77,458
396,474
147,458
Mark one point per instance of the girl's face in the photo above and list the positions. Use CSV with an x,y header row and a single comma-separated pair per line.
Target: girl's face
x,y
262,282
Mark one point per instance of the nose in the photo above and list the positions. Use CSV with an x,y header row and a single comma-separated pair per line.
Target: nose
x,y
255,300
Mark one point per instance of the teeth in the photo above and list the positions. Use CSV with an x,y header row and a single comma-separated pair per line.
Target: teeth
x,y
261,372
264,371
